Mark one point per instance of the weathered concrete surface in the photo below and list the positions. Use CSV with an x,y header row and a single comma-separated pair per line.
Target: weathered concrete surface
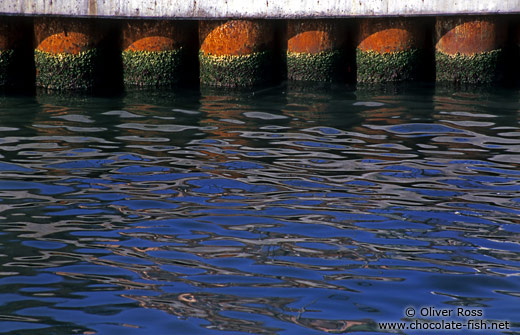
x,y
255,8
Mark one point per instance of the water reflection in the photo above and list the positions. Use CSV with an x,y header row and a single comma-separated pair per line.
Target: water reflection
x,y
279,211
228,312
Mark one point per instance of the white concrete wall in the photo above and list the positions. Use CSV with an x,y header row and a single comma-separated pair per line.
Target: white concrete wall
x,y
255,8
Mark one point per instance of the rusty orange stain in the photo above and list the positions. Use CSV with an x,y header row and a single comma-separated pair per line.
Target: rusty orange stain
x,y
71,43
389,35
65,35
314,36
153,43
468,36
158,35
388,40
235,37
310,42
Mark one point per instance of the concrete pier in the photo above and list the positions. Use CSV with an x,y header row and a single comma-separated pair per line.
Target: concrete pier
x,y
232,43
256,9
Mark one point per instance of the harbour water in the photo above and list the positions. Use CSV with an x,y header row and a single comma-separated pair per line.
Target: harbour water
x,y
286,210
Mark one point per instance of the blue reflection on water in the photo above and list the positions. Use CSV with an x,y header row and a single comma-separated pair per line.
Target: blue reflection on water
x,y
279,212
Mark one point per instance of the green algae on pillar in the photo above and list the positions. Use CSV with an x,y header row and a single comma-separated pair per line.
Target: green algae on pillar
x,y
234,70
480,68
315,50
66,71
469,50
236,53
389,50
67,55
375,67
155,52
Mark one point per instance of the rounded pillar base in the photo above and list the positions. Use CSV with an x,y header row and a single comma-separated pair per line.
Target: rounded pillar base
x,y
469,50
155,52
67,56
315,50
236,53
389,50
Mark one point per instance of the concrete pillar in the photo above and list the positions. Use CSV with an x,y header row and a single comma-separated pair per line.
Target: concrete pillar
x,y
155,52
315,50
67,55
236,53
469,49
11,37
389,49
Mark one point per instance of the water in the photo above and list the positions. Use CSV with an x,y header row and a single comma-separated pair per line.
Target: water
x,y
281,211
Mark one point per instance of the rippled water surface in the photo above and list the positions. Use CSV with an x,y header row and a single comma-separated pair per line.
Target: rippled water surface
x,y
281,211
